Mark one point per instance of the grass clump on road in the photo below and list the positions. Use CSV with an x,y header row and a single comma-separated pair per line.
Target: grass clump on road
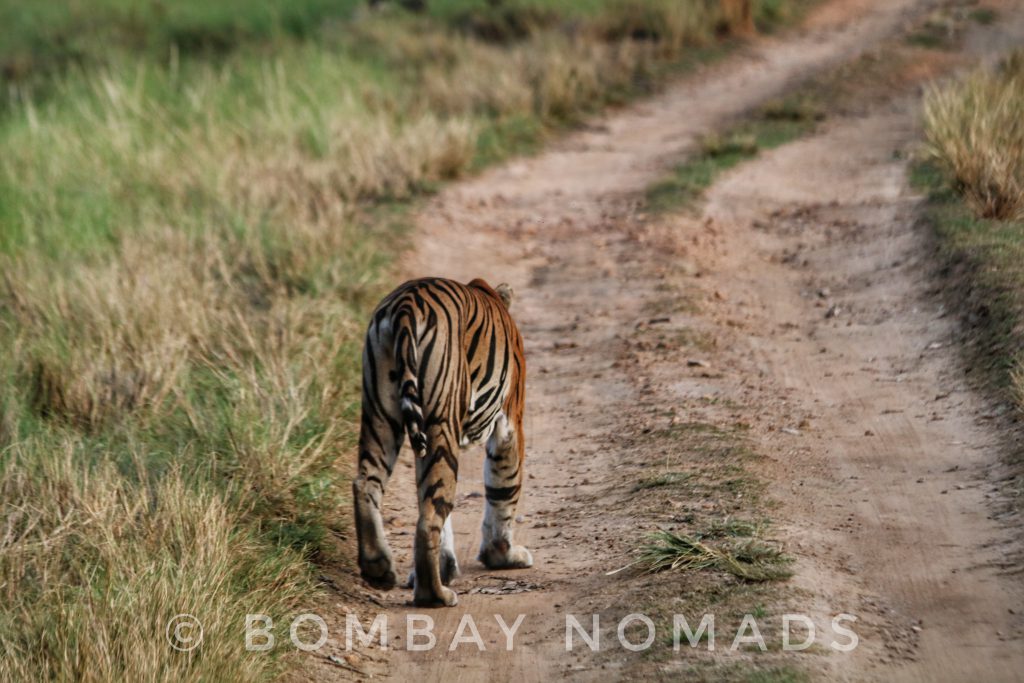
x,y
777,123
748,559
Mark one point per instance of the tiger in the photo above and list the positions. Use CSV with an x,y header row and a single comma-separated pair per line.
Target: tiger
x,y
443,364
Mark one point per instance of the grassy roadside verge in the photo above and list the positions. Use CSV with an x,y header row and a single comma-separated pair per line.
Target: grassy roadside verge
x,y
197,213
987,256
973,175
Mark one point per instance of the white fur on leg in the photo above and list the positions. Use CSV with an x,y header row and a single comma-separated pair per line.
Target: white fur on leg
x,y
449,565
492,527
448,537
497,550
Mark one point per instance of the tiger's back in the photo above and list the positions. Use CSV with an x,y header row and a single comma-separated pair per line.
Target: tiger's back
x,y
444,364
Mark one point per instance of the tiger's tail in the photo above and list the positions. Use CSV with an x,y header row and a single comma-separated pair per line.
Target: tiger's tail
x,y
407,362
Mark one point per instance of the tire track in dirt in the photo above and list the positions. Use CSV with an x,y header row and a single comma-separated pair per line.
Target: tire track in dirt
x,y
550,225
884,490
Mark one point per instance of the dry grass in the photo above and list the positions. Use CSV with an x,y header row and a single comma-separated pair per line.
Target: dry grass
x,y
93,566
672,26
975,131
748,559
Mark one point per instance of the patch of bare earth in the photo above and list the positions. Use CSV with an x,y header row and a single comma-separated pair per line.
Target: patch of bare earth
x,y
778,360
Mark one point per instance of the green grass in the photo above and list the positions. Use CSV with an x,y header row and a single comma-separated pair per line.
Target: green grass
x,y
932,37
773,126
839,89
44,36
943,27
984,15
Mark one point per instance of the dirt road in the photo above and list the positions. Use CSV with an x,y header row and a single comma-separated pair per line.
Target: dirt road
x,y
809,271
885,487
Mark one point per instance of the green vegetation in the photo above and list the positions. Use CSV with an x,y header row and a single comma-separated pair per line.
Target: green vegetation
x,y
774,125
848,86
943,27
41,38
199,204
984,15
974,173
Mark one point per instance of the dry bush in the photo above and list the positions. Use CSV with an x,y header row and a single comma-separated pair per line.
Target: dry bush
x,y
504,23
975,131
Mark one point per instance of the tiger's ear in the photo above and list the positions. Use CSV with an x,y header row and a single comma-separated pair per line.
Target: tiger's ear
x,y
505,292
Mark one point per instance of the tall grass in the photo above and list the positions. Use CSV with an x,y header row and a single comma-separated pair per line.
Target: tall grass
x,y
190,242
94,563
975,131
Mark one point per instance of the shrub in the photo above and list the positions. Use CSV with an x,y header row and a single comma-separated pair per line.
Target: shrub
x,y
975,131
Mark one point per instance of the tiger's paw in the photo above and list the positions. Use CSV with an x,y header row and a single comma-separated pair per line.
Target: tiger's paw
x,y
378,572
426,598
500,555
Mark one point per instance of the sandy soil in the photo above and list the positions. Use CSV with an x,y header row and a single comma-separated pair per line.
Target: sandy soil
x,y
872,443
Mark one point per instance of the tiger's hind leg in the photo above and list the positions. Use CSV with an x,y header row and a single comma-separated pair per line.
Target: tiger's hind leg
x,y
436,474
503,476
449,563
380,438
